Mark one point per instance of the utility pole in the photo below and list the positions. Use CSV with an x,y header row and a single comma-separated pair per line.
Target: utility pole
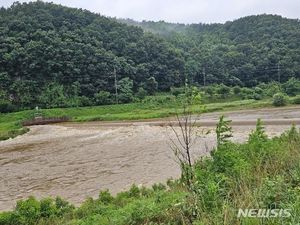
x,y
278,71
204,76
116,85
186,84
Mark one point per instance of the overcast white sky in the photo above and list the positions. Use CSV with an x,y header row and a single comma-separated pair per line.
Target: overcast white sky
x,y
183,11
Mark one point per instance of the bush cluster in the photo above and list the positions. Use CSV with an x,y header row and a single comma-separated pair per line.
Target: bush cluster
x,y
279,99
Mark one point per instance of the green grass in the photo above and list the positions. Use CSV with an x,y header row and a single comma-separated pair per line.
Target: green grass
x,y
10,123
259,174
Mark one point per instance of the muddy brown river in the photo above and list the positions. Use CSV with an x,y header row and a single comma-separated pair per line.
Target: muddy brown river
x,y
77,160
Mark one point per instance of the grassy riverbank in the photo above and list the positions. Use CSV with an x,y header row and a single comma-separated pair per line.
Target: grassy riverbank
x,y
10,123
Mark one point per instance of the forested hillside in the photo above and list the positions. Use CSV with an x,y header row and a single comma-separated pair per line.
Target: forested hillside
x,y
244,52
55,56
50,52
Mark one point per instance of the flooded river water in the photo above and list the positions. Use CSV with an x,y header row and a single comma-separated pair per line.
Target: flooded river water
x,y
77,160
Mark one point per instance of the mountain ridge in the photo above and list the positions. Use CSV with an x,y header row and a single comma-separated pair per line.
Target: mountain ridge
x,y
48,48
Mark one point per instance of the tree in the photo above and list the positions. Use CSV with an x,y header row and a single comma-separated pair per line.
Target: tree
x,y
142,93
182,142
292,87
185,136
6,106
53,96
76,47
125,86
210,90
151,85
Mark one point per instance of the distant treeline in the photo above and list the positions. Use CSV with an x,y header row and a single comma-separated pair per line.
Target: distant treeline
x,y
55,56
244,52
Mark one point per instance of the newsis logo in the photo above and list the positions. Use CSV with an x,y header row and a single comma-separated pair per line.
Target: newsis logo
x,y
264,213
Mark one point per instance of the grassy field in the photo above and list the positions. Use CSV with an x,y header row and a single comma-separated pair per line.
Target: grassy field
x,y
259,174
10,123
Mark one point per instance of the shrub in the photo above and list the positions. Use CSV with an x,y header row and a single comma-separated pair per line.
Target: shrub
x,y
257,96
8,218
236,90
105,197
159,100
134,191
296,100
223,90
73,101
47,207
223,131
63,207
28,211
292,86
271,88
103,98
247,93
159,187
177,91
141,94
85,101
6,107
125,90
53,96
254,93
279,99
274,191
258,135
151,85
258,90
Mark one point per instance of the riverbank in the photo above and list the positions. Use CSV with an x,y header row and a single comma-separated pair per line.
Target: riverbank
x,y
76,160
11,123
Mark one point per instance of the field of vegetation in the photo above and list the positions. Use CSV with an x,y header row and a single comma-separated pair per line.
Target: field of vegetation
x,y
210,98
262,173
10,123
62,58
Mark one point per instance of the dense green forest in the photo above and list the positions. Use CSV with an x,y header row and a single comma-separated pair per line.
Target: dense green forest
x,y
49,52
244,52
55,56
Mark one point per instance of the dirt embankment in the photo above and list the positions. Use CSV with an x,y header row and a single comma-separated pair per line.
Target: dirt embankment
x,y
76,160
